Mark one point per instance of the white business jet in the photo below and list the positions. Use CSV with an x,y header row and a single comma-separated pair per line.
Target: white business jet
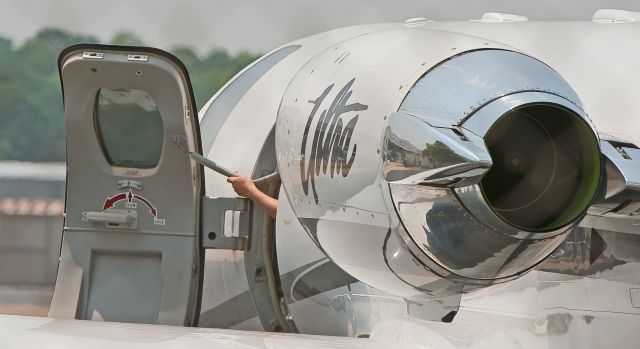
x,y
440,185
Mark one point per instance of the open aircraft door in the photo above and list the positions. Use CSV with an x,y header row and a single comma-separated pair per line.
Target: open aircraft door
x,y
131,250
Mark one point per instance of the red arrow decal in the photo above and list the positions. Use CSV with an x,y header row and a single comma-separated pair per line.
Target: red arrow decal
x,y
152,209
110,201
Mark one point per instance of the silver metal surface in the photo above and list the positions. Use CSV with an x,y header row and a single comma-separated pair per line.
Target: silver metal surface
x,y
457,87
460,243
624,158
212,165
473,200
213,223
622,193
93,55
113,218
466,96
416,153
483,118
137,58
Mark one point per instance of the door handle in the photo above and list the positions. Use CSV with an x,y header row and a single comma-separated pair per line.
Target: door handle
x,y
113,218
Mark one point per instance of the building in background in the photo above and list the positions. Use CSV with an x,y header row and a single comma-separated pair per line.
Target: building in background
x,y
31,218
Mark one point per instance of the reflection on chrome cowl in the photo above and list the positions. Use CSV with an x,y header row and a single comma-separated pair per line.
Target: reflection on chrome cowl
x,y
490,163
449,235
417,153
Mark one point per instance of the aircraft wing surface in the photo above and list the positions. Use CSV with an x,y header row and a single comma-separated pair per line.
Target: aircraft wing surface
x,y
39,332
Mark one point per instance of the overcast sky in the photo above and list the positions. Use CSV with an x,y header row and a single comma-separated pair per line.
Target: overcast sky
x,y
259,25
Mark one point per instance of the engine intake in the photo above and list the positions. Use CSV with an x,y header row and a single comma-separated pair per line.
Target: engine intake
x,y
487,196
545,167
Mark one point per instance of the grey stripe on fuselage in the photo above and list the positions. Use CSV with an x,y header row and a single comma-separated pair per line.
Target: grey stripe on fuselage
x,y
232,312
223,105
324,277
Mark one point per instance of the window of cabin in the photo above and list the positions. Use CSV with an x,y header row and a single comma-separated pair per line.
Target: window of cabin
x,y
129,126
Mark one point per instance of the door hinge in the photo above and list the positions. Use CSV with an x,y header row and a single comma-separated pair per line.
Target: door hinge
x,y
213,232
93,55
137,58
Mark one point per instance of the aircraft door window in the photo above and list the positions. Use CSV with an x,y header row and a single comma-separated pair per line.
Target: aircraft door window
x,y
129,126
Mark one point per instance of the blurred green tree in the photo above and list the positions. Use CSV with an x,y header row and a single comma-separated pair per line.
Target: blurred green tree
x,y
31,113
126,38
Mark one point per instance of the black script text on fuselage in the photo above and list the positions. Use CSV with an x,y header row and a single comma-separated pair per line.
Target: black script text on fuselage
x,y
331,139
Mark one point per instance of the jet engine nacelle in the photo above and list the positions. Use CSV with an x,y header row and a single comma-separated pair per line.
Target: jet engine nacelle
x,y
430,162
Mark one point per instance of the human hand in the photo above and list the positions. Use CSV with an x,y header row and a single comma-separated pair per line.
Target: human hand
x,y
243,186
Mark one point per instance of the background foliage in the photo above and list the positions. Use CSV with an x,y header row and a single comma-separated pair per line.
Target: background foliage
x,y
31,113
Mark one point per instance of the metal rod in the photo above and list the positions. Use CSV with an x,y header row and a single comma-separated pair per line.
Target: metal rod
x,y
212,165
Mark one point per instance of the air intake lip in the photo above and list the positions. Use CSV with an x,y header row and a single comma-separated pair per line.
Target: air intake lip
x,y
565,138
546,167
